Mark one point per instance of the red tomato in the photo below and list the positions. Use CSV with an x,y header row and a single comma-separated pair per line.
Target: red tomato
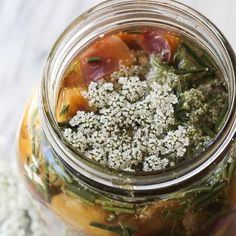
x,y
111,52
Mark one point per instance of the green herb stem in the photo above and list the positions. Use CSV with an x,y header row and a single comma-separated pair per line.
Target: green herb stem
x,y
81,193
205,199
200,190
93,59
134,32
232,168
221,116
46,182
64,124
194,55
64,110
208,131
114,203
121,230
184,72
119,210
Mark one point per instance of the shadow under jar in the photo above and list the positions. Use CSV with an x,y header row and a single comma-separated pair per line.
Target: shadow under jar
x,y
75,194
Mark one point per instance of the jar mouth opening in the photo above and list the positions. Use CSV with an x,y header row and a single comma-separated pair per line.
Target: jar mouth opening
x,y
84,167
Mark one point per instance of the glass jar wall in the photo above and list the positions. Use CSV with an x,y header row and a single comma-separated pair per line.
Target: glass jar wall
x,y
198,198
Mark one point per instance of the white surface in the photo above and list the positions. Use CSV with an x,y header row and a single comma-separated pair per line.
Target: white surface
x,y
28,29
18,216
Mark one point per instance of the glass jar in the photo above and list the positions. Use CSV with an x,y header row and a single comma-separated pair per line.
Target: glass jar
x,y
76,196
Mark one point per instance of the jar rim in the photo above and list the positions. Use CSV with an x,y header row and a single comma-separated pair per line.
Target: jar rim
x,y
113,180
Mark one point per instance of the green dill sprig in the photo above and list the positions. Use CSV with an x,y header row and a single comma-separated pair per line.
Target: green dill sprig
x,y
191,71
230,168
181,115
194,55
91,199
93,59
81,193
108,203
46,182
134,31
206,130
119,210
221,116
64,124
188,62
121,230
64,109
204,200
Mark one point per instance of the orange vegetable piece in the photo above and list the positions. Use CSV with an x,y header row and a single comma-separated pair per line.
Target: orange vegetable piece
x,y
72,77
70,101
130,40
173,40
111,51
79,215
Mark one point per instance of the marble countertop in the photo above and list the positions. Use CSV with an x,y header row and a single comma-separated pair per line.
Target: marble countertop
x,y
28,30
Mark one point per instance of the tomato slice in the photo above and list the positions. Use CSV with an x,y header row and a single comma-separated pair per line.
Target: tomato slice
x,y
110,52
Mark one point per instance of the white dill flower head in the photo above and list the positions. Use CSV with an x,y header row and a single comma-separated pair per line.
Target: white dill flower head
x,y
130,125
154,163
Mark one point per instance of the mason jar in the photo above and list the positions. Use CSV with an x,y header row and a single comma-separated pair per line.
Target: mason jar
x,y
77,197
